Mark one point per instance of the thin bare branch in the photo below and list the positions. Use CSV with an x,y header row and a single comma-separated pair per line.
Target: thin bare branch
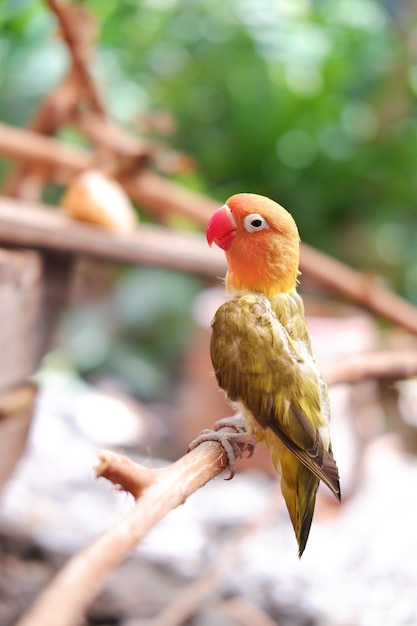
x,y
27,177
165,198
358,287
64,601
79,31
111,135
28,146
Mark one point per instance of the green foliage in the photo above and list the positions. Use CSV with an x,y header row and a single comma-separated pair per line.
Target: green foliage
x,y
31,59
310,103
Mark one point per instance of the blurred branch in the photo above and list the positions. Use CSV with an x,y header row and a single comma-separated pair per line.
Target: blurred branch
x,y
106,133
158,491
27,224
27,177
79,31
358,287
31,147
164,198
246,613
384,365
124,154
189,601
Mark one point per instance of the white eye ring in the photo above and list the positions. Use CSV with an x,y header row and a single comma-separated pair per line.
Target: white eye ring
x,y
255,222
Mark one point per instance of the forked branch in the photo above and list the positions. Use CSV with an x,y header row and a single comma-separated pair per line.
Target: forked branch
x,y
158,491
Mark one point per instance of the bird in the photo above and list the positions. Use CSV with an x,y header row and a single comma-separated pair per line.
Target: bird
x,y
262,356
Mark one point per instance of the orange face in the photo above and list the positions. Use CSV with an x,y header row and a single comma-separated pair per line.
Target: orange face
x,y
261,242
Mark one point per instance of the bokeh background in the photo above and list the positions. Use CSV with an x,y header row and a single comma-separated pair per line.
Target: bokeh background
x,y
310,102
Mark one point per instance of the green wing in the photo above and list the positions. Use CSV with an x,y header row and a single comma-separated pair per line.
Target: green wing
x,y
275,377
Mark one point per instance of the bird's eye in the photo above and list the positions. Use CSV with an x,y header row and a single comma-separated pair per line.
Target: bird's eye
x,y
255,222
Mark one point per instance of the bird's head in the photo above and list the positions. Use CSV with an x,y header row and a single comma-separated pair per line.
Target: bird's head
x,y
261,242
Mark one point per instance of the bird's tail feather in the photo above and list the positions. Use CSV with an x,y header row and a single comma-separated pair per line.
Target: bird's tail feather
x,y
299,487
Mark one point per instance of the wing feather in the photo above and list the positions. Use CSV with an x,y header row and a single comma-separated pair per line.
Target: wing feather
x,y
259,364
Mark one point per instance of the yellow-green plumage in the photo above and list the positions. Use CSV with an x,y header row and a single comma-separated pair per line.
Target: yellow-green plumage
x,y
262,357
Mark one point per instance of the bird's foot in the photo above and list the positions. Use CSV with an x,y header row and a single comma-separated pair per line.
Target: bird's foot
x,y
235,444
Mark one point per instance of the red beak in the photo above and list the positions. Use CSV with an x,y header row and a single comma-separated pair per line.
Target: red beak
x,y
221,228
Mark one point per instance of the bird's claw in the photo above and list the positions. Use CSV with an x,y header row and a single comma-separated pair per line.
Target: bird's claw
x,y
235,444
237,422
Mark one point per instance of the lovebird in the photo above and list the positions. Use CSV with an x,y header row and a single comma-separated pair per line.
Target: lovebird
x,y
261,352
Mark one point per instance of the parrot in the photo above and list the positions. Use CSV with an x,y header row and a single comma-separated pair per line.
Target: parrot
x,y
262,356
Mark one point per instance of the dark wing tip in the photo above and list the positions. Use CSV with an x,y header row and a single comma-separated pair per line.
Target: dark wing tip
x,y
331,474
320,462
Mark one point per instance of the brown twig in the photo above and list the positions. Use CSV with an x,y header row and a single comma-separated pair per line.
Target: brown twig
x,y
165,199
111,135
161,490
358,287
26,224
157,491
383,365
30,147
78,38
27,178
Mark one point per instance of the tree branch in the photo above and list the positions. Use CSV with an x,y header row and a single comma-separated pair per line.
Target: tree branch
x,y
27,177
158,491
246,613
79,30
383,365
27,224
31,147
358,287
